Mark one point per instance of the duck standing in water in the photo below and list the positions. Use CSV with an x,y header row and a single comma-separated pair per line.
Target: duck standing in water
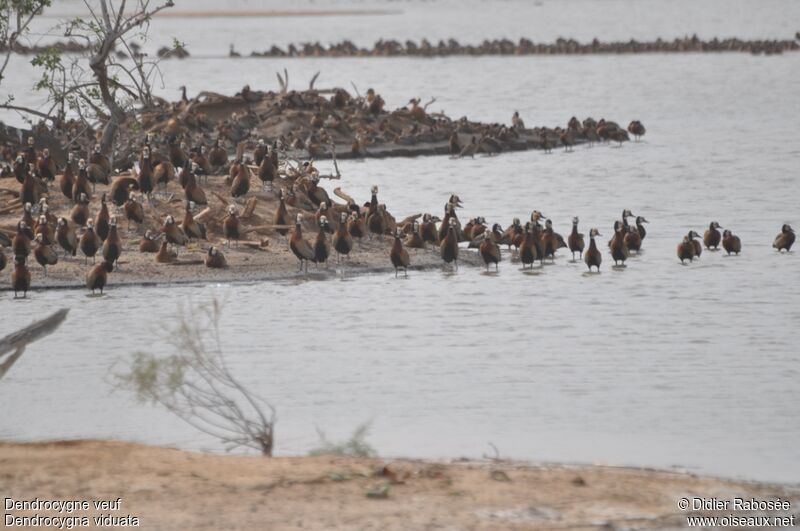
x,y
398,255
300,247
712,237
575,240
619,251
593,258
698,248
20,277
215,259
551,241
731,243
489,251
640,227
342,240
528,252
449,246
785,239
633,240
97,277
636,129
687,249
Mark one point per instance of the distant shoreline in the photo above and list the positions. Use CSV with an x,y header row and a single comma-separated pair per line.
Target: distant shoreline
x,y
264,13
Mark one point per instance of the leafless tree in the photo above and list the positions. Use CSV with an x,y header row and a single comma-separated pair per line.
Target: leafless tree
x,y
195,384
16,342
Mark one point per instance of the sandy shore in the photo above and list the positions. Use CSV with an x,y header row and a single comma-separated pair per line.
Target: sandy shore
x,y
173,489
273,261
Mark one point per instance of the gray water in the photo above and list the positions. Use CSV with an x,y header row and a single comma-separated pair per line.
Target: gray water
x,y
655,365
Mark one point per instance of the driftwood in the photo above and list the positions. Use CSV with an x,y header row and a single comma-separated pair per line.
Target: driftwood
x,y
203,215
17,341
15,193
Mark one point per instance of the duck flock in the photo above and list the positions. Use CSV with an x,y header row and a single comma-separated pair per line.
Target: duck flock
x,y
48,236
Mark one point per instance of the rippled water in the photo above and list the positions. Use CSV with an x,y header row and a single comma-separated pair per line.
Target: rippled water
x,y
658,364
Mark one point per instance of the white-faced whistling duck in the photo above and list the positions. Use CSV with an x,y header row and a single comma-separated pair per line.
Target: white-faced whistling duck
x,y
376,222
281,215
514,234
97,277
30,188
163,174
80,212
65,235
414,239
575,239
183,176
322,248
44,254
547,146
101,219
215,259
193,192
536,232
217,156
27,219
619,251
266,170
81,183
20,169
428,230
785,239
398,255
89,243
698,248
489,250
148,243
300,247
240,184
165,255
67,179
633,241
686,249
45,231
145,177
449,213
731,243
636,129
528,252
134,211
177,153
551,241
112,247
593,257
455,145
356,225
173,234
21,243
231,225
326,211
316,193
191,227
20,277
640,226
712,237
342,240
449,245
516,122
121,188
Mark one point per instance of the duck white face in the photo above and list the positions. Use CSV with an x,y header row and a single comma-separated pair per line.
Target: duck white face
x,y
45,152
323,220
575,220
113,222
20,159
452,222
82,164
62,222
374,190
260,141
89,224
132,197
83,198
169,220
28,207
299,218
30,141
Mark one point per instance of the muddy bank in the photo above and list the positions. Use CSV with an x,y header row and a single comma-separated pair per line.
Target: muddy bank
x,y
173,489
261,254
451,47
